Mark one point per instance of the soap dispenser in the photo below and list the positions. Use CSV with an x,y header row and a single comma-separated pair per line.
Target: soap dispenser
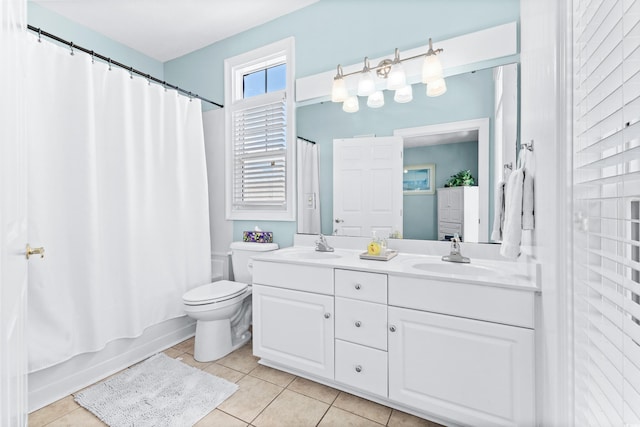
x,y
375,246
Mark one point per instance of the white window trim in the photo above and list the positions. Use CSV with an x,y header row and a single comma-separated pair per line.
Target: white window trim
x,y
234,69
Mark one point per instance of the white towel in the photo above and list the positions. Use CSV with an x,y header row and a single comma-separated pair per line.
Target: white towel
x,y
498,212
512,228
528,220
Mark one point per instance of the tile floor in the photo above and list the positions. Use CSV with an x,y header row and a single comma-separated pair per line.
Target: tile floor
x,y
266,397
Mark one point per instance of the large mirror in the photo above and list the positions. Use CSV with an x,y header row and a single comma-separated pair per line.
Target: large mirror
x,y
490,93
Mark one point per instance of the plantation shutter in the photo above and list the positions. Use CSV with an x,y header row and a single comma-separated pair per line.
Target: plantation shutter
x,y
606,180
259,154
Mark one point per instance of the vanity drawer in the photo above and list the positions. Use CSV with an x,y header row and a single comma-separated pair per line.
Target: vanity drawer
x,y
473,301
361,322
291,276
361,285
361,367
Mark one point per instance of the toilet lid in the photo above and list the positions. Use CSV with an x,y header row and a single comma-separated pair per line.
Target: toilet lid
x,y
214,292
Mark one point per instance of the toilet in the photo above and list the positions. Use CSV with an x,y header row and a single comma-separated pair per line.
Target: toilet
x,y
223,309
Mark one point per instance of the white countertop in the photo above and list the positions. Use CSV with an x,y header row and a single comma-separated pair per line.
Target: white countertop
x,y
479,271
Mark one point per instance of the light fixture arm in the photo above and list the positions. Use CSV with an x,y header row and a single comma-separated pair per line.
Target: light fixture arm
x,y
431,51
367,66
382,69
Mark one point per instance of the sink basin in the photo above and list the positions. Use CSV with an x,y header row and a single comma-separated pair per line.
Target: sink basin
x,y
455,268
310,255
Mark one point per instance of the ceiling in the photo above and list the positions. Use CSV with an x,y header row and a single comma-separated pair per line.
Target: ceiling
x,y
167,29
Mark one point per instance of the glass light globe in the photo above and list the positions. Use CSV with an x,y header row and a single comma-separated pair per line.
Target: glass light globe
x,y
431,69
351,105
396,78
436,88
404,94
339,90
375,100
366,85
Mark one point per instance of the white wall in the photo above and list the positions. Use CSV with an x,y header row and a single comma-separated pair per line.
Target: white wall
x,y
543,120
221,229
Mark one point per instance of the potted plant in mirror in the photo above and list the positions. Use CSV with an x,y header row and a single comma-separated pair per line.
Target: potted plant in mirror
x,y
463,177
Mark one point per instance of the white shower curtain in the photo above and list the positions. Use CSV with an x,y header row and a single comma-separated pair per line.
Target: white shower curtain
x,y
118,197
308,188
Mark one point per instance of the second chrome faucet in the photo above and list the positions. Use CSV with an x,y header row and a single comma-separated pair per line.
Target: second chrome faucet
x,y
322,245
455,255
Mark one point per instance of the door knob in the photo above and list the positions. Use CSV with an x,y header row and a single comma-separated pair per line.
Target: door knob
x,y
339,221
34,251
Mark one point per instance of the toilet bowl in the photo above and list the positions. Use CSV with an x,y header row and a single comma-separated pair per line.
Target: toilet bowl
x,y
222,309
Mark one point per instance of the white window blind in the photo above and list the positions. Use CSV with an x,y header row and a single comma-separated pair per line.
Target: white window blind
x,y
260,155
606,204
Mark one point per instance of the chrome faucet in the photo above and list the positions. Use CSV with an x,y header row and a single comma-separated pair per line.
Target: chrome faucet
x,y
455,255
322,245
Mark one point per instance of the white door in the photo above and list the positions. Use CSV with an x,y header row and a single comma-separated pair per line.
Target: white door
x,y
294,328
367,186
13,217
468,371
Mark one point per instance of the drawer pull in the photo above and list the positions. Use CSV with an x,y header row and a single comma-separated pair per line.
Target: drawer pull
x,y
358,368
327,315
392,328
357,286
358,323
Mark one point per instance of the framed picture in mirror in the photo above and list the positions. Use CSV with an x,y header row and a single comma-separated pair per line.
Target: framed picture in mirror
x,y
419,179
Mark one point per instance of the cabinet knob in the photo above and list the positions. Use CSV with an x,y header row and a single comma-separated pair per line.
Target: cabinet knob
x,y
327,315
358,323
357,286
358,368
392,328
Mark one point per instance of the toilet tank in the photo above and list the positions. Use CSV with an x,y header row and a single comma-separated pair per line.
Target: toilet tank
x,y
241,253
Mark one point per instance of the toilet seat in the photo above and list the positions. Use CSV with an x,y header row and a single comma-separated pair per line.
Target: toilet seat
x,y
215,292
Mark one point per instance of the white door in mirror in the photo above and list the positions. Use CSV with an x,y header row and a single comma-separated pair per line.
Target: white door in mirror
x,y
367,186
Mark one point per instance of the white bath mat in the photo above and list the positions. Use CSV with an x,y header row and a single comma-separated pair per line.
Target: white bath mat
x,y
160,391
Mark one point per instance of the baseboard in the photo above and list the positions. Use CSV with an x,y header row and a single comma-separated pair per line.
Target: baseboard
x,y
51,384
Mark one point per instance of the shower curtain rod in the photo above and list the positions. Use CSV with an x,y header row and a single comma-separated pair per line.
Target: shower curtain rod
x,y
123,66
305,139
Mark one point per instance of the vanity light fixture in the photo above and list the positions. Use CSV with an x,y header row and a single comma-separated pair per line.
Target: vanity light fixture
x,y
393,72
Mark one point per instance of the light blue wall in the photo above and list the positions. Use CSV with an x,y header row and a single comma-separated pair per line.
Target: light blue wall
x,y
420,212
333,32
344,31
469,96
62,27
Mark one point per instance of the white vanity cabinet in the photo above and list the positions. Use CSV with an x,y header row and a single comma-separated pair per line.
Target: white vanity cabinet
x,y
458,209
453,351
470,370
293,322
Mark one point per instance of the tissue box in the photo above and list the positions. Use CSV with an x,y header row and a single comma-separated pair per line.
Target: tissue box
x,y
258,236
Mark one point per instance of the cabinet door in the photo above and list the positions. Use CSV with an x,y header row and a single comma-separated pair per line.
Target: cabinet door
x,y
294,328
468,371
450,204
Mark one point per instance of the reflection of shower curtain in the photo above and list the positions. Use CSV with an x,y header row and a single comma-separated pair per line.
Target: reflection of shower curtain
x,y
308,188
118,197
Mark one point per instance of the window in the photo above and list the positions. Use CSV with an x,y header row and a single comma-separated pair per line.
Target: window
x,y
606,209
270,79
260,143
